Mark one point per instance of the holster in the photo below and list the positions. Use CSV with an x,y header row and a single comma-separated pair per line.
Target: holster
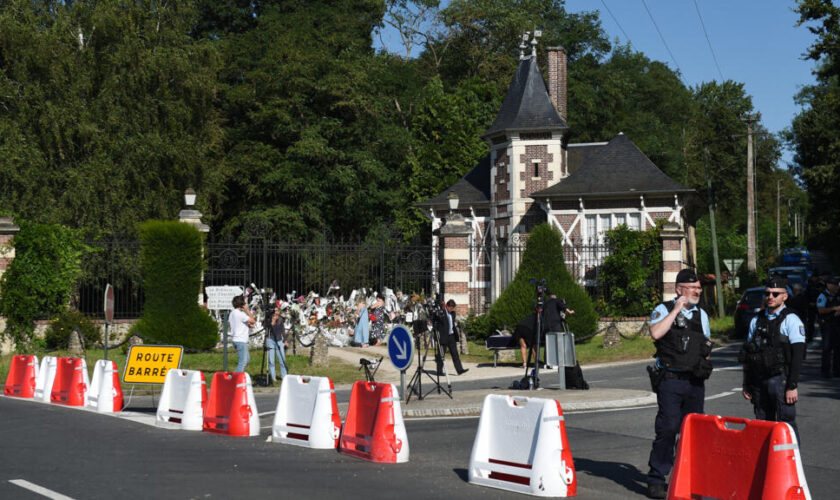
x,y
656,375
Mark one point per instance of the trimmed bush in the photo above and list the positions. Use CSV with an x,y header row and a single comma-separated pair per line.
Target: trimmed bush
x,y
171,262
628,275
543,258
57,335
40,279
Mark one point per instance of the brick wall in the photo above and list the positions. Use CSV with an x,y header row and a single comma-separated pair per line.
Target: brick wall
x,y
531,182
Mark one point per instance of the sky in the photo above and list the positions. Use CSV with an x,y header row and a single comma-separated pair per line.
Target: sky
x,y
755,42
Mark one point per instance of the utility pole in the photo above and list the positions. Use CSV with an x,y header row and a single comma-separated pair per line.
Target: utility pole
x,y
778,218
711,199
750,118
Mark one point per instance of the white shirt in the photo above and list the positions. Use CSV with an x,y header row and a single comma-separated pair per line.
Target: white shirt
x,y
239,329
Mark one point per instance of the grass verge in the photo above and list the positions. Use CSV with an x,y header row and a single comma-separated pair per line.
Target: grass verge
x,y
339,371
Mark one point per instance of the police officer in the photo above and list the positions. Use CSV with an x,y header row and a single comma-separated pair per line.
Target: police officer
x,y
680,330
828,307
772,357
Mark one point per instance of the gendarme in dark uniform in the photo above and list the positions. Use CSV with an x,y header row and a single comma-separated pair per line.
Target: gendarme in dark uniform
x,y
828,307
680,330
772,358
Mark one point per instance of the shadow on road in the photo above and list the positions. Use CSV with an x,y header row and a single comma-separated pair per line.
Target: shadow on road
x,y
463,474
624,474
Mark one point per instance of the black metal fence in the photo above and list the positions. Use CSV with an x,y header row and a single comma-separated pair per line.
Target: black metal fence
x,y
304,267
501,262
282,267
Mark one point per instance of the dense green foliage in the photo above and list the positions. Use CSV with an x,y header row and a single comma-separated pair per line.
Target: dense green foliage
x,y
171,266
41,277
628,276
57,335
543,258
813,134
290,125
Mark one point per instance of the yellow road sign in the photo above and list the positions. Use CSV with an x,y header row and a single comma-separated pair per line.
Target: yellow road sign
x,y
148,364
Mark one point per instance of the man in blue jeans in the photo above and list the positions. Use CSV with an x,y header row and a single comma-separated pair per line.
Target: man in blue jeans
x,y
241,321
277,346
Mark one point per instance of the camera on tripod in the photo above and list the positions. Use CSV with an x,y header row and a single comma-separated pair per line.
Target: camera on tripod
x,y
541,289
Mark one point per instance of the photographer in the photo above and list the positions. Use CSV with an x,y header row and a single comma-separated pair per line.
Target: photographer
x,y
680,330
241,321
553,320
276,343
448,331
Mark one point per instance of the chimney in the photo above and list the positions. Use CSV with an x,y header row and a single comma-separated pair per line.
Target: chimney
x,y
557,78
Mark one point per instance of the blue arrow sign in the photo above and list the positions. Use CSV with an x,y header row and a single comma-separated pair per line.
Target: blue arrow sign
x,y
400,347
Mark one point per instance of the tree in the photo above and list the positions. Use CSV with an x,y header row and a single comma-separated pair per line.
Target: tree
x,y
813,131
543,258
628,275
40,279
108,112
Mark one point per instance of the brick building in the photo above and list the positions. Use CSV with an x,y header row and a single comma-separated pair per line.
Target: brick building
x,y
532,175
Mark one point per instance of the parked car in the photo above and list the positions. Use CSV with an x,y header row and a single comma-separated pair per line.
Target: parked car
x,y
796,257
748,307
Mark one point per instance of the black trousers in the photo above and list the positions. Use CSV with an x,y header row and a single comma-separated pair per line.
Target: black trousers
x,y
452,345
769,403
676,397
831,350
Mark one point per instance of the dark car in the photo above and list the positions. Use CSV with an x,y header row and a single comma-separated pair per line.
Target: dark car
x,y
748,307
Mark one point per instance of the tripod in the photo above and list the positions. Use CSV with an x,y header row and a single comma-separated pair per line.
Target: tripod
x,y
535,346
415,385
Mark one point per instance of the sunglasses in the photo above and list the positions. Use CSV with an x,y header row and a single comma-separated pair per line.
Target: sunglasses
x,y
774,294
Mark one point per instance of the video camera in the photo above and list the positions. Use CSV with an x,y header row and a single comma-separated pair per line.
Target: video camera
x,y
541,289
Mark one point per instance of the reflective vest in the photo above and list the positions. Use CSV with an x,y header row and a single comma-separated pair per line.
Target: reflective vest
x,y
682,348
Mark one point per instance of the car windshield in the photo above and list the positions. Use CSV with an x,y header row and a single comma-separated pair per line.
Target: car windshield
x,y
753,298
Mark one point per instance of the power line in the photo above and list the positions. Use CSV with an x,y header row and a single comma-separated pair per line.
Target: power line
x,y
714,57
617,23
664,42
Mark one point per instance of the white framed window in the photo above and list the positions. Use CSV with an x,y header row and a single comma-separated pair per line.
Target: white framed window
x,y
635,222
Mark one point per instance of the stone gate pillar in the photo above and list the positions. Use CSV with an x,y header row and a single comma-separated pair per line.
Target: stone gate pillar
x,y
672,237
455,263
7,252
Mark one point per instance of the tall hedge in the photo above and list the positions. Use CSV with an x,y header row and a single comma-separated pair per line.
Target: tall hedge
x,y
171,263
40,279
543,258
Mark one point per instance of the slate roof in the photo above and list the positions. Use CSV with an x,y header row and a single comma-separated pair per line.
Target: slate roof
x,y
473,189
616,169
576,154
527,105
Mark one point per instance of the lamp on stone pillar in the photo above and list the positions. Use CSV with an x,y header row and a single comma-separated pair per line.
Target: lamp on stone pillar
x,y
453,202
191,216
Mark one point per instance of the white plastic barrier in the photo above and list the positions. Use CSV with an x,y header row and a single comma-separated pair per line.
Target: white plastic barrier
x,y
105,394
45,378
307,413
182,401
521,446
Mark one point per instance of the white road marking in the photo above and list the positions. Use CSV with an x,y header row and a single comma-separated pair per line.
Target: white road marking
x,y
729,368
266,413
39,489
721,395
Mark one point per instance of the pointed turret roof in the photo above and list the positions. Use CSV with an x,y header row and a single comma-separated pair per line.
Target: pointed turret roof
x,y
527,105
617,168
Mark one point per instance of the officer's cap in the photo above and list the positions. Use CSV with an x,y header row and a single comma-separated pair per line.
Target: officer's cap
x,y
834,280
776,282
687,276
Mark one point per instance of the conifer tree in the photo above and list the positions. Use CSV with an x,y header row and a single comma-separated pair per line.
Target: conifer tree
x,y
543,258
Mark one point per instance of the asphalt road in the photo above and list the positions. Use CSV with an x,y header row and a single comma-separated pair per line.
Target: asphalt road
x,y
83,455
